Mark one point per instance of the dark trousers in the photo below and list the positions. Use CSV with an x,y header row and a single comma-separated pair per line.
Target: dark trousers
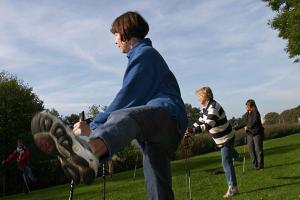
x,y
255,147
27,176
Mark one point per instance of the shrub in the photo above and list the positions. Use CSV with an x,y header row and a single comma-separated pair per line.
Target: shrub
x,y
281,130
198,144
130,156
203,143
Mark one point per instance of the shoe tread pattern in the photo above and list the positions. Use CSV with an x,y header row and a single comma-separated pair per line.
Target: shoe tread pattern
x,y
74,166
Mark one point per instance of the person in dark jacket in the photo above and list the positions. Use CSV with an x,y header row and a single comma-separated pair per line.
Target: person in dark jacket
x,y
22,156
148,108
251,122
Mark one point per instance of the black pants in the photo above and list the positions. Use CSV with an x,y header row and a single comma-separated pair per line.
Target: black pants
x,y
255,147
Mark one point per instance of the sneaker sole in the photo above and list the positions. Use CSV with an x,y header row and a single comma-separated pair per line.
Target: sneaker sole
x,y
53,137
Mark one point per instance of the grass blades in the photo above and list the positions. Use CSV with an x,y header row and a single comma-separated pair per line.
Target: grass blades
x,y
279,180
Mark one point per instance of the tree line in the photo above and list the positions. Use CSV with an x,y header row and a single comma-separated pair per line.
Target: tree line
x,y
18,104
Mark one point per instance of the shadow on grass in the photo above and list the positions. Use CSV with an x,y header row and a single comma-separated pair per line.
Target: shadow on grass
x,y
178,168
206,164
270,187
281,149
288,177
215,171
284,164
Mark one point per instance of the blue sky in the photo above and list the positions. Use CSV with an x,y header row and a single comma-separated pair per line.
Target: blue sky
x,y
66,53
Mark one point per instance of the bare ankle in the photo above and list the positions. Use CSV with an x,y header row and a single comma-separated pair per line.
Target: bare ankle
x,y
98,147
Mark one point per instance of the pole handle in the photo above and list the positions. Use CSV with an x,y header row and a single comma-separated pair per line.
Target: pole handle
x,y
82,116
72,184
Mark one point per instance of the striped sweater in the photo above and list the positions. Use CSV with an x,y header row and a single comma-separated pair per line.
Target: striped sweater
x,y
215,121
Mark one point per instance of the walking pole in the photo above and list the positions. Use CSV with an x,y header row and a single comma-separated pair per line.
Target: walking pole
x,y
3,182
103,181
136,160
72,184
244,160
3,185
187,169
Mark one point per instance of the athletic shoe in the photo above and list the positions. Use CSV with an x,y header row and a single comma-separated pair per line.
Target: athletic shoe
x,y
53,137
232,191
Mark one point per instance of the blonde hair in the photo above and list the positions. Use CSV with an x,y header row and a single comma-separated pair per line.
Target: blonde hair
x,y
206,92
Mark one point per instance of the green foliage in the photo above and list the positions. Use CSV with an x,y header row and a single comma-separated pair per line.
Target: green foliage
x,y
233,121
71,119
18,104
279,180
271,132
129,157
203,143
48,172
53,112
198,144
95,109
271,118
287,23
291,115
287,116
281,130
193,113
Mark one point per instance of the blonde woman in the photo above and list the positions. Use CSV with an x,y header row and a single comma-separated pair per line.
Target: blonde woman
x,y
215,121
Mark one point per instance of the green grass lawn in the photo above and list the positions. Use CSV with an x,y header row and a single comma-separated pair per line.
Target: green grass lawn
x,y
279,180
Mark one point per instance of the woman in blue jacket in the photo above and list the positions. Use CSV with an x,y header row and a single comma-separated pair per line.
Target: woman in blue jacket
x,y
148,108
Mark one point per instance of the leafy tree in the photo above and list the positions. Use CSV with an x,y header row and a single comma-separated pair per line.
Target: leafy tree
x,y
193,113
53,112
233,121
287,22
271,118
291,115
95,109
18,104
71,119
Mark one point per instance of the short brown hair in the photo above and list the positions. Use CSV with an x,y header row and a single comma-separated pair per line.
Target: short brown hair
x,y
130,24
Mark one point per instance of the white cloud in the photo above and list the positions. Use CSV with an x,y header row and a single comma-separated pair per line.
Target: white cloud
x,y
67,54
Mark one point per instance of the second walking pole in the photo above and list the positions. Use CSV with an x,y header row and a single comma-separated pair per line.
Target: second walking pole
x,y
187,169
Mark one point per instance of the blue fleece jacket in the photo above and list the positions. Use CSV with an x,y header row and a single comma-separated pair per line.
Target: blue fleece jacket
x,y
147,81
